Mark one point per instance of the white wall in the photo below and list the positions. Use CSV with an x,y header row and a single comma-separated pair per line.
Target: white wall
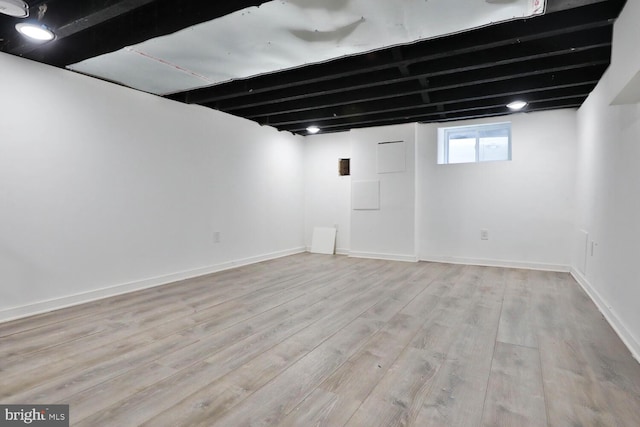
x,y
624,72
526,204
328,195
435,212
389,231
608,192
103,186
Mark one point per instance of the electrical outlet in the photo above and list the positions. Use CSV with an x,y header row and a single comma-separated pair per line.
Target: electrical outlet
x,y
484,234
216,237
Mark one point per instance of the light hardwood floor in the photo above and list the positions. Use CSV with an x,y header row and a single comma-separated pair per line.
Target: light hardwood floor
x,y
314,340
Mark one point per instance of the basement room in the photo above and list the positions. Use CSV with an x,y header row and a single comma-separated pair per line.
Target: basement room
x,y
320,213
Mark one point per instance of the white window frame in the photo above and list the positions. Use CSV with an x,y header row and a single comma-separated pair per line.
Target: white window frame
x,y
444,135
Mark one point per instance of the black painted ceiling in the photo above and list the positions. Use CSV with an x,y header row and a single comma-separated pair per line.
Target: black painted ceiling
x,y
552,61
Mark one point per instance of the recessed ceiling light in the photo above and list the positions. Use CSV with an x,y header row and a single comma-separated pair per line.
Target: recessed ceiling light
x,y
313,129
35,32
16,8
517,105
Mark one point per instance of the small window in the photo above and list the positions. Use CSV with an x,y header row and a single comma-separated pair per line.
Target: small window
x,y
473,144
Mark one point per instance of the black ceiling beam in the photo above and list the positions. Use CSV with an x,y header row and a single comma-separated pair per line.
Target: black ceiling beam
x,y
484,111
521,86
432,112
570,43
552,61
558,5
502,113
149,20
518,53
460,86
503,34
489,111
405,102
569,71
110,9
515,71
372,80
490,66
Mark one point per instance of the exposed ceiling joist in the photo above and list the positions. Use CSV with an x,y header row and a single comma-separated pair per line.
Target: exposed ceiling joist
x,y
551,61
519,32
485,64
92,28
84,21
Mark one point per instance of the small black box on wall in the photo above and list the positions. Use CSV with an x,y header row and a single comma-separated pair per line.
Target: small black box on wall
x,y
344,167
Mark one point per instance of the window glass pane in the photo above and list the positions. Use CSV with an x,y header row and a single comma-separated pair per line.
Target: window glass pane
x,y
462,134
462,150
494,131
471,144
494,148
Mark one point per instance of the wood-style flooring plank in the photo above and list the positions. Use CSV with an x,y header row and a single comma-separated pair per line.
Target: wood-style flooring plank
x,y
515,396
212,401
271,403
573,396
399,396
236,354
223,315
457,395
610,362
29,389
340,395
200,291
106,393
516,322
330,341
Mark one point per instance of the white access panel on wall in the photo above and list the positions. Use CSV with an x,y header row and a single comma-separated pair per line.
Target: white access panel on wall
x,y
391,157
365,195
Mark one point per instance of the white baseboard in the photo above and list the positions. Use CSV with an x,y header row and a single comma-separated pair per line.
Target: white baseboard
x,y
84,297
339,251
389,257
372,255
499,263
607,311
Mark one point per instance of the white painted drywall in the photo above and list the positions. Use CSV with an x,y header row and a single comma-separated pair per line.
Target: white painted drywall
x,y
526,204
328,195
103,186
365,195
608,192
388,232
623,86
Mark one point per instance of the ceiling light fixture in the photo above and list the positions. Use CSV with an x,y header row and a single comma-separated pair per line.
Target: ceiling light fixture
x,y
17,8
313,129
517,105
35,32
